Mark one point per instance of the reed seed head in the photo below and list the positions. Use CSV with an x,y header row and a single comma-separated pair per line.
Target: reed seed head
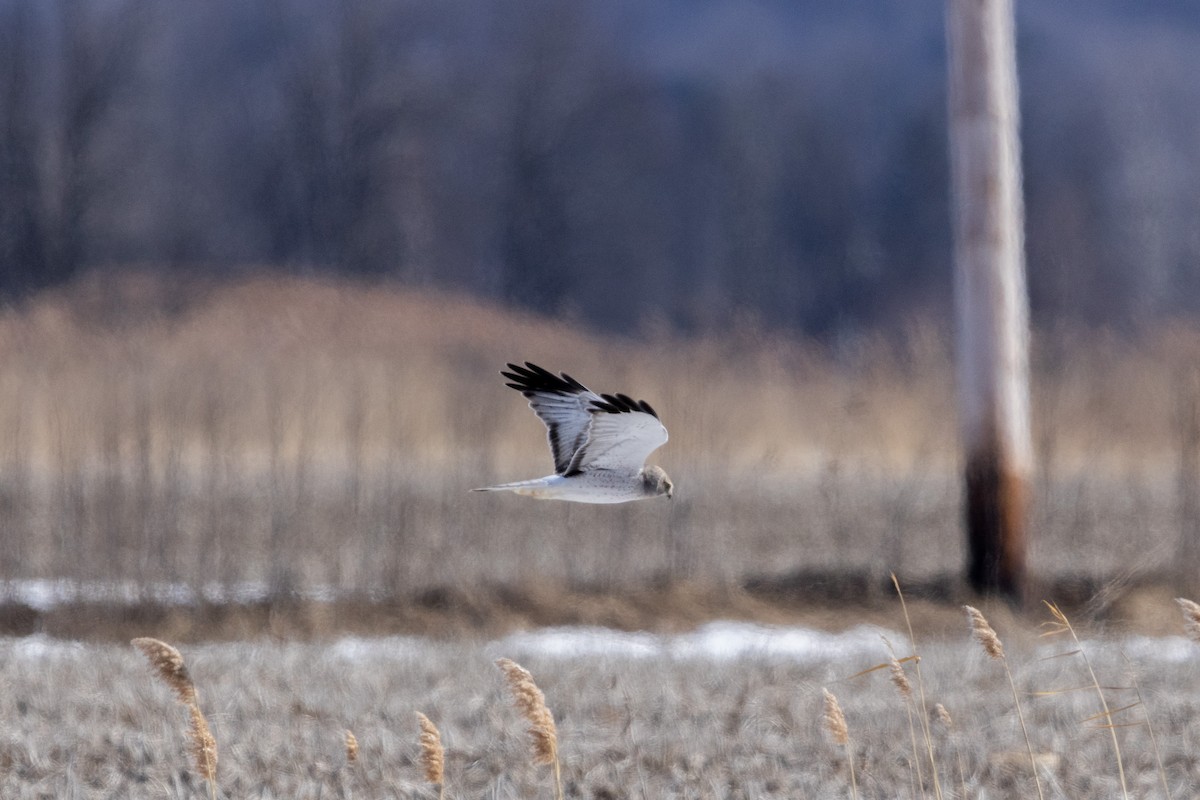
x,y
351,747
433,756
204,745
531,703
835,720
1191,618
169,664
943,716
899,677
984,634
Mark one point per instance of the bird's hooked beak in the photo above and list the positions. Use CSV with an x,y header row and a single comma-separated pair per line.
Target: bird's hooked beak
x,y
670,491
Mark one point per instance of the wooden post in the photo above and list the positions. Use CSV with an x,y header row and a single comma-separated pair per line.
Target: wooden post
x,y
1187,556
991,305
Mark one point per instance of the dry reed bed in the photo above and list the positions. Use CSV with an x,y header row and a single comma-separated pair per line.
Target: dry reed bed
x,y
87,721
304,433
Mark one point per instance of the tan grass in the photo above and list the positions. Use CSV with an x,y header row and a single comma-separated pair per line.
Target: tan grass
x,y
990,642
169,664
140,426
912,639
204,746
433,755
1059,623
1141,701
984,633
531,704
351,747
946,721
899,679
755,758
835,720
835,725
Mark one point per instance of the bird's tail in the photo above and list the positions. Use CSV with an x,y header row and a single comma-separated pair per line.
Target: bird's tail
x,y
520,487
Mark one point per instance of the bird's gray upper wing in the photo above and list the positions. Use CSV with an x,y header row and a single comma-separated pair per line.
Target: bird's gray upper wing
x,y
623,433
561,403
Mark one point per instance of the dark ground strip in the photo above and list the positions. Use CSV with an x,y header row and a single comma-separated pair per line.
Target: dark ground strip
x,y
820,600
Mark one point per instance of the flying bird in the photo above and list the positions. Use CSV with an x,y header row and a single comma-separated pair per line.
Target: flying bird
x,y
599,441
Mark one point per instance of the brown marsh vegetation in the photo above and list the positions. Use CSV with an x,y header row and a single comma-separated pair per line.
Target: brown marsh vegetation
x,y
1069,719
316,441
302,437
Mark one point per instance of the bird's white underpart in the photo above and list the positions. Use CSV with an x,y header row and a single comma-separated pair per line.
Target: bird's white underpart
x,y
599,442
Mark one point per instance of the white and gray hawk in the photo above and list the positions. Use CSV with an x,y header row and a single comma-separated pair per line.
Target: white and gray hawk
x,y
599,441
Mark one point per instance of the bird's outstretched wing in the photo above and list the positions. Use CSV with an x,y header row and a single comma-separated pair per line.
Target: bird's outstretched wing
x,y
623,433
561,403
587,430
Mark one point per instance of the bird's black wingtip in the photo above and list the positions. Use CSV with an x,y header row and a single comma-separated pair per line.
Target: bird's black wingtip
x,y
532,379
622,404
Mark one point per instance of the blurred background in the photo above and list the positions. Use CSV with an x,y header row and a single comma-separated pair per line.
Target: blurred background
x,y
262,261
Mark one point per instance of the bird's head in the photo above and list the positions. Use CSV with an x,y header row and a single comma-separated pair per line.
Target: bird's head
x,y
655,482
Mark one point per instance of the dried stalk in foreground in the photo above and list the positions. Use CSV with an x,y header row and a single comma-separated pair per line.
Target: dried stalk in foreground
x,y
984,633
924,717
531,703
946,721
835,725
204,745
900,680
169,664
1060,624
433,756
1162,772
990,642
1191,618
899,677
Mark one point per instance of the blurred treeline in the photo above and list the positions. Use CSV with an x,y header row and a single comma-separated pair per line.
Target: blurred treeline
x,y
630,162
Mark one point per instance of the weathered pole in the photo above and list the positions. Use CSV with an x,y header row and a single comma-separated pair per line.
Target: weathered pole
x,y
1187,557
991,305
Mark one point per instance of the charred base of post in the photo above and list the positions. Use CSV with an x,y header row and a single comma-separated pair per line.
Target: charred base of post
x,y
997,504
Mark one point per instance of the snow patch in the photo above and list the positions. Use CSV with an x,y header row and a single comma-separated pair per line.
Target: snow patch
x,y
716,641
40,648
355,648
1160,649
45,594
